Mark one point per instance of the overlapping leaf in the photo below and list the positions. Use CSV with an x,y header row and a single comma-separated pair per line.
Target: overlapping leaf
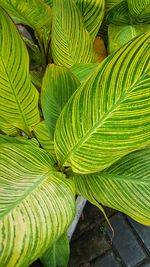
x,y
49,2
109,4
92,12
36,78
109,115
83,71
71,42
7,128
58,254
36,204
33,13
120,35
119,14
58,86
43,136
18,140
125,186
140,10
19,98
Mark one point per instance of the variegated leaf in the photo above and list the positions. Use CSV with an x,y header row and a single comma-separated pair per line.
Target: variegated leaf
x,y
36,204
109,115
19,98
125,186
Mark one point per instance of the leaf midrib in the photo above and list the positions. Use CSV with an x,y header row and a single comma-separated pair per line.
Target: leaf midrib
x,y
122,178
99,123
27,193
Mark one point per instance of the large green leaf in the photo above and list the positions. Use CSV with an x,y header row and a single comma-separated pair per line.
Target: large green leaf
x,y
92,12
109,115
19,98
33,13
71,42
58,254
140,10
120,35
125,186
57,87
36,204
45,139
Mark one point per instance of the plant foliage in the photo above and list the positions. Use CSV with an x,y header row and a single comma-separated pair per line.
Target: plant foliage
x,y
69,123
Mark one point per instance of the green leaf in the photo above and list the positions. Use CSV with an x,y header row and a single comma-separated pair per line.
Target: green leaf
x,y
7,128
119,14
83,189
37,204
49,2
71,42
140,10
125,186
18,140
57,87
33,13
83,71
109,4
58,255
120,35
34,52
36,77
19,98
109,115
92,12
44,138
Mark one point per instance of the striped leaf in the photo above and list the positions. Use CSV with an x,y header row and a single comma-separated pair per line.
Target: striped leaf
x,y
119,14
57,87
44,138
125,186
120,35
33,13
19,98
49,2
18,140
83,71
140,10
71,42
36,78
36,204
34,52
92,12
109,115
58,254
109,4
7,128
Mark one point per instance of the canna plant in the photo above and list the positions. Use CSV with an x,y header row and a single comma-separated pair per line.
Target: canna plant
x,y
71,123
